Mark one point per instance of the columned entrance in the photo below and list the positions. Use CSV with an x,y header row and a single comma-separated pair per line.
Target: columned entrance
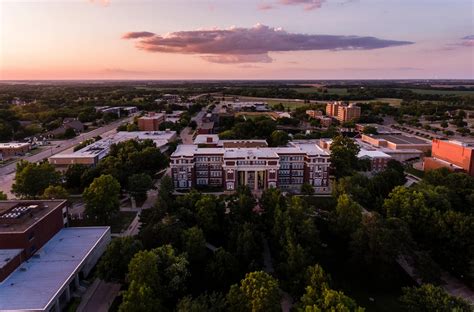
x,y
254,179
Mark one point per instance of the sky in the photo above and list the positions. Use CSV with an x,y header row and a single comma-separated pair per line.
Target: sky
x,y
236,39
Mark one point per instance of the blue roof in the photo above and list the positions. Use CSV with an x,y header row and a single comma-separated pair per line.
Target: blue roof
x,y
6,255
36,282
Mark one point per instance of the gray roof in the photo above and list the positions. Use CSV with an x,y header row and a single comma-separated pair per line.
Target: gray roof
x,y
36,282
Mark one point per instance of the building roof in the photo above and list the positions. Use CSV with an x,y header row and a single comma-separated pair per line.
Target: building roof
x,y
372,154
36,282
310,148
6,255
14,145
202,139
153,116
19,215
400,139
207,125
102,147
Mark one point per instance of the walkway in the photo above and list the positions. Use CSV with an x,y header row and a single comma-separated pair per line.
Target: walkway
x,y
99,297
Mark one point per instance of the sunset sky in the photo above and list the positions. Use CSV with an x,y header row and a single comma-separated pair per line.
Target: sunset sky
x,y
239,39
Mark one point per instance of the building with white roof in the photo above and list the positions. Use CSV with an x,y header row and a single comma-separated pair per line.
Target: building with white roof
x,y
47,280
258,168
13,149
93,153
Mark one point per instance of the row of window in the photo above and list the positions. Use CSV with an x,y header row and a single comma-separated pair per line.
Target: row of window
x,y
251,162
208,159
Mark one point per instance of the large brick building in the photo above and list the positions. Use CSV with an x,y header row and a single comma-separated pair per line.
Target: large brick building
x,y
343,112
151,122
25,226
258,168
454,155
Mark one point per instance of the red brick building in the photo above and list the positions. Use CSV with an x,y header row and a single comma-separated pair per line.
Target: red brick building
x,y
454,155
151,122
28,225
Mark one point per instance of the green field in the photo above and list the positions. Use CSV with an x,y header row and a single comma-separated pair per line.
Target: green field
x,y
338,91
443,92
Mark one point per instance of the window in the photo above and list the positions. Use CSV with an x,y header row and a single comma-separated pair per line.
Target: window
x,y
31,236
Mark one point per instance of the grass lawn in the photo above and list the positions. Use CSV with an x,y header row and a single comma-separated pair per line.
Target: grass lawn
x,y
117,224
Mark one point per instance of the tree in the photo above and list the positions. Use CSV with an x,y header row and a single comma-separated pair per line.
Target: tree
x,y
69,133
344,156
3,196
31,179
55,192
431,298
214,302
102,199
319,296
376,246
192,124
257,292
346,217
139,298
369,130
307,189
114,263
139,184
166,188
206,214
172,272
223,269
194,243
279,138
73,176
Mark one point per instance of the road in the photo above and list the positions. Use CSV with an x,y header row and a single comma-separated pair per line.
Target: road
x,y
7,173
186,134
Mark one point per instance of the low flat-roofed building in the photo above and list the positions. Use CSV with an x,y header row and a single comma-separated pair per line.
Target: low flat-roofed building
x,y
29,224
400,155
10,259
47,280
91,154
9,150
451,154
378,159
397,142
151,122
379,128
247,105
313,113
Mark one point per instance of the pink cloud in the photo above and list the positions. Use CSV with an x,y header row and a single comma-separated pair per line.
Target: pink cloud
x,y
308,4
265,7
250,45
137,34
468,41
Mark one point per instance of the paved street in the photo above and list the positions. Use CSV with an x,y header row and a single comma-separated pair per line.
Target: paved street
x,y
187,133
7,173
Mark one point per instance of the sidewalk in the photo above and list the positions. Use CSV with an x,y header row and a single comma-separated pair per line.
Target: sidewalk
x,y
99,297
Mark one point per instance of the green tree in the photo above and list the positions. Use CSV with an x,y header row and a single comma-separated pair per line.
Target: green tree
x,y
139,298
257,292
194,243
206,214
102,199
55,192
319,296
346,217
32,179
431,298
69,133
114,263
223,269
279,138
307,189
73,176
344,156
166,188
3,196
139,184
214,302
